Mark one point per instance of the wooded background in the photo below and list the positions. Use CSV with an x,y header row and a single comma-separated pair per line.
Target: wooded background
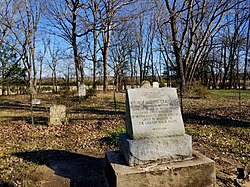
x,y
124,41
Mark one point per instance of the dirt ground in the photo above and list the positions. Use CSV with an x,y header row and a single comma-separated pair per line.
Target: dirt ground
x,y
73,154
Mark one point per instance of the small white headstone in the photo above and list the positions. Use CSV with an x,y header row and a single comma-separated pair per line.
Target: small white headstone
x,y
57,115
155,84
82,90
36,101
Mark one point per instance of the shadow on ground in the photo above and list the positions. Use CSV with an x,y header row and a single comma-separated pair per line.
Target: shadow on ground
x,y
82,170
18,106
93,110
43,120
199,119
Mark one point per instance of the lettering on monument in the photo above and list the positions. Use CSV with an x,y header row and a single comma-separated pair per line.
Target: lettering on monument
x,y
155,112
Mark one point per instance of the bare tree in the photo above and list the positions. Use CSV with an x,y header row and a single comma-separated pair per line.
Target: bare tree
x,y
22,20
55,53
119,52
246,55
192,23
41,57
93,24
111,13
65,17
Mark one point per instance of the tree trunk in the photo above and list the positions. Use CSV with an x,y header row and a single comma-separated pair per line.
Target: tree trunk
x,y
95,43
181,71
94,60
74,46
40,75
132,70
226,67
105,68
177,52
246,57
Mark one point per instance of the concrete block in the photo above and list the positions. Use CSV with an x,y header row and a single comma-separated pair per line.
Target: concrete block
x,y
160,149
198,172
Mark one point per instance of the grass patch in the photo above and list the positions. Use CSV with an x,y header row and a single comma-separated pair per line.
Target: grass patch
x,y
229,141
231,93
113,138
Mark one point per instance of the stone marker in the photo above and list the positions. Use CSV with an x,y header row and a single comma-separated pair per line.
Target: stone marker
x,y
156,85
36,101
153,113
57,115
155,129
146,84
82,90
155,149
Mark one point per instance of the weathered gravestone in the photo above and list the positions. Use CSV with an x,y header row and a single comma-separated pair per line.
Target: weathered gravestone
x,y
57,115
36,101
146,84
156,151
155,129
82,90
156,85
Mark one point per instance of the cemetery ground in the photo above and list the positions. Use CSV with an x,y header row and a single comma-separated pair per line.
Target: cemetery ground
x,y
38,155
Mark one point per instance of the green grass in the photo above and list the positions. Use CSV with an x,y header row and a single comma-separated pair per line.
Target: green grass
x,y
231,93
113,138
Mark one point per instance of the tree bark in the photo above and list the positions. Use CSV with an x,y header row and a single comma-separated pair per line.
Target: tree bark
x,y
105,68
246,57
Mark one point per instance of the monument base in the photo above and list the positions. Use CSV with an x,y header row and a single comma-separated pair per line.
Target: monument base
x,y
198,172
160,150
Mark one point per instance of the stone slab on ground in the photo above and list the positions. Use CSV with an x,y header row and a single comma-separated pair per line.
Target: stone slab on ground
x,y
57,115
153,112
67,169
45,177
198,172
56,181
160,149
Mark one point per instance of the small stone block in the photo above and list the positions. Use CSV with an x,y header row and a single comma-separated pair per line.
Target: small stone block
x,y
161,149
198,172
82,90
156,85
57,115
36,101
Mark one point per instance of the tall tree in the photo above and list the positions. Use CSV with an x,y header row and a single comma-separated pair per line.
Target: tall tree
x,y
40,58
65,18
22,20
192,23
55,54
247,60
112,13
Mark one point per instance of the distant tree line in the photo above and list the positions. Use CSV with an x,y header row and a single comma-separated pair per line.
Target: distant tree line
x,y
196,40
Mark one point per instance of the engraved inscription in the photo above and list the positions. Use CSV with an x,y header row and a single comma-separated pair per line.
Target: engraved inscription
x,y
156,112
